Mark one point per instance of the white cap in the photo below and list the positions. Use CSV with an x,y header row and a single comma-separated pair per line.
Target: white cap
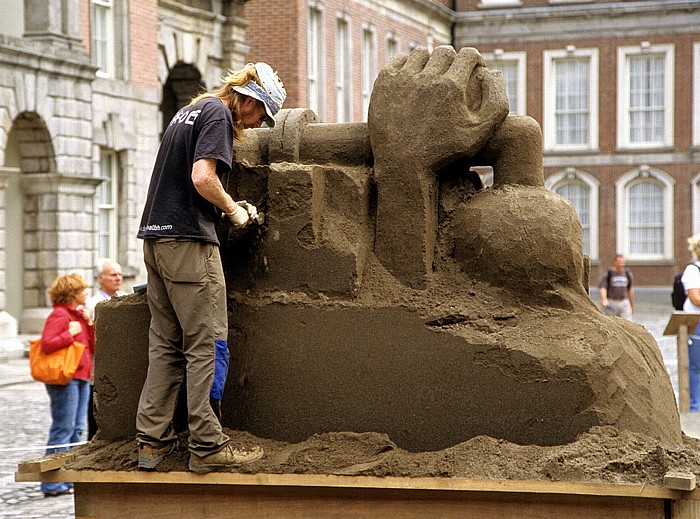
x,y
271,92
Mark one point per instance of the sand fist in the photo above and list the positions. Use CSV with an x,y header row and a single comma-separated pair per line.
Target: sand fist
x,y
430,110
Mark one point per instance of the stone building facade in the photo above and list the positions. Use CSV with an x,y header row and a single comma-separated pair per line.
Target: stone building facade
x,y
84,88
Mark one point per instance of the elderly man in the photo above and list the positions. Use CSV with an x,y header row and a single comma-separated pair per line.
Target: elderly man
x,y
109,277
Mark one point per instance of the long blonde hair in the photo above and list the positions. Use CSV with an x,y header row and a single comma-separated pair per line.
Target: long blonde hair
x,y
694,245
230,97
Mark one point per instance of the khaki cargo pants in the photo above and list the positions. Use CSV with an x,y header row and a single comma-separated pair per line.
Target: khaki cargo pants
x,y
187,299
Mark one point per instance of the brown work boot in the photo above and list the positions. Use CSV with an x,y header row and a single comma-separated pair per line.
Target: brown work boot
x,y
229,456
150,456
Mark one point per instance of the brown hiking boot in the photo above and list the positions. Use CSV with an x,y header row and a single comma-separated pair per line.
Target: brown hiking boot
x,y
150,456
229,456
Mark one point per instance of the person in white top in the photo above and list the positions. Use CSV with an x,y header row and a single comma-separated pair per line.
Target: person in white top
x,y
691,285
109,277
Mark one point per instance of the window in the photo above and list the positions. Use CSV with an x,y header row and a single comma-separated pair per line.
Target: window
x,y
343,78
695,208
392,47
369,67
571,99
645,96
315,60
103,37
581,189
513,67
645,214
107,204
696,94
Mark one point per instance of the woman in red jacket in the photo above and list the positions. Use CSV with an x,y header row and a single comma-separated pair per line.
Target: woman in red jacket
x,y
68,322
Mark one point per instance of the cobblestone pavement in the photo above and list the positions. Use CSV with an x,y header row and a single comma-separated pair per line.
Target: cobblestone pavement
x,y
24,417
25,423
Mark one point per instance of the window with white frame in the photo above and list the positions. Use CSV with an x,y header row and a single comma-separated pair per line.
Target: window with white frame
x,y
645,214
695,209
369,66
343,77
582,190
571,99
392,46
315,61
103,37
696,94
107,205
513,67
645,96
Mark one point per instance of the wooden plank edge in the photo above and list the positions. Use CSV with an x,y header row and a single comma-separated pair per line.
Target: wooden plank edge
x,y
640,490
46,463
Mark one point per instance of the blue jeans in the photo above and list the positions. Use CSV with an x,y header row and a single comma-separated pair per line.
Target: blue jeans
x,y
694,369
68,420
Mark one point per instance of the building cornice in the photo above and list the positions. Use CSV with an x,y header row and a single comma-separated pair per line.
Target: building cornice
x,y
581,21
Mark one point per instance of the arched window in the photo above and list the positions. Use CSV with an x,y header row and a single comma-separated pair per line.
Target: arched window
x,y
645,214
581,189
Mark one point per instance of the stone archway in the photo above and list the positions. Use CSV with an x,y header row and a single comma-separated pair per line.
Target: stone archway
x,y
183,83
31,152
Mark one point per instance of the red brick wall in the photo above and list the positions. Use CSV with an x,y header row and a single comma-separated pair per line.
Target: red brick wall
x,y
277,35
143,57
85,24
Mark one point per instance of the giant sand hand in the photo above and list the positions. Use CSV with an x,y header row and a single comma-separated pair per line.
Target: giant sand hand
x,y
427,111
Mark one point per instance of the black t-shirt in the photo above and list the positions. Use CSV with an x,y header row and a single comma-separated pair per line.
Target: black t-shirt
x,y
174,208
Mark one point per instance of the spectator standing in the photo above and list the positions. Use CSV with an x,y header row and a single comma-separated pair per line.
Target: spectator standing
x,y
186,287
691,286
69,321
616,292
109,277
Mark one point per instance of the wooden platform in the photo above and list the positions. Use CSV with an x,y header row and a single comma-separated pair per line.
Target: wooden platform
x,y
134,494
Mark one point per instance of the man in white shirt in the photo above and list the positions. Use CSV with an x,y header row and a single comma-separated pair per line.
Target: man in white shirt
x,y
109,276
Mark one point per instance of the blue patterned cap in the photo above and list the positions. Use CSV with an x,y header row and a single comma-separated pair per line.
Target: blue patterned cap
x,y
271,91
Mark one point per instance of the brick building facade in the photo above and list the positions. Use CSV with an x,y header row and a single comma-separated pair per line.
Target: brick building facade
x,y
85,86
614,85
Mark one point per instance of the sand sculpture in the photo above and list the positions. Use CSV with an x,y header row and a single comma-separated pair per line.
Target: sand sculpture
x,y
390,292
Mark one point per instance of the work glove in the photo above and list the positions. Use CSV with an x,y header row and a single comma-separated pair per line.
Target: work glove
x,y
251,209
239,217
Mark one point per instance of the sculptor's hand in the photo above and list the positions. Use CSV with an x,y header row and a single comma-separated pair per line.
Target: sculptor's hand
x,y
429,110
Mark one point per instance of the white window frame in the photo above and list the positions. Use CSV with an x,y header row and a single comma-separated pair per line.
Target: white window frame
x,y
369,65
623,94
391,39
696,94
343,69
622,185
103,43
695,204
569,174
520,59
549,98
315,60
107,204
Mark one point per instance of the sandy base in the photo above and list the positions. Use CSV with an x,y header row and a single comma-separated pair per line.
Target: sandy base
x,y
604,455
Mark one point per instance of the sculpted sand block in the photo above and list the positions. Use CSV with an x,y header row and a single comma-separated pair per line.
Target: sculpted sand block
x,y
389,292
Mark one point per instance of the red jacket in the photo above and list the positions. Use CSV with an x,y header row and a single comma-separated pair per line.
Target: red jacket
x,y
56,336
